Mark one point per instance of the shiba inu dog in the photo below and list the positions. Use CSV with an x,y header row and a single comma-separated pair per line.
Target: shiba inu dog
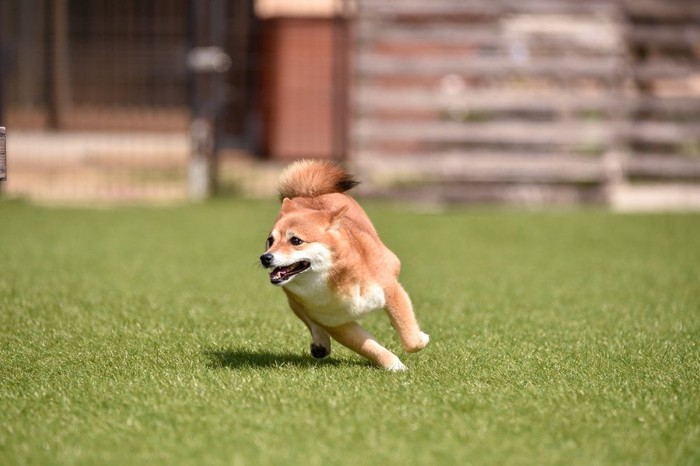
x,y
325,254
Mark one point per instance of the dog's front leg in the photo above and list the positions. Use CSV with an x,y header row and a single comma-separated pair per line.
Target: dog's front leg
x,y
321,342
400,312
353,336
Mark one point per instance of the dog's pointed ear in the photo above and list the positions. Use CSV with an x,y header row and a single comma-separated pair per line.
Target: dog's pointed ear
x,y
336,216
288,205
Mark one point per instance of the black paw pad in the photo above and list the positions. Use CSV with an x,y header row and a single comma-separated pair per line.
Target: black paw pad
x,y
319,351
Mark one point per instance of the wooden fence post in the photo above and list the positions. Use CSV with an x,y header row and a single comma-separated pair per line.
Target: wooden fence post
x,y
615,157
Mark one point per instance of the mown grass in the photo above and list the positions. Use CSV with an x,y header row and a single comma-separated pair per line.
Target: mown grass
x,y
151,336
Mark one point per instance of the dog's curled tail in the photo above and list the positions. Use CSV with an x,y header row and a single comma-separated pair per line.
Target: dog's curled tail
x,y
311,178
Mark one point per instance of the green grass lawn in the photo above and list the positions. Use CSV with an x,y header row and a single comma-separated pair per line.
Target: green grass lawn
x,y
151,336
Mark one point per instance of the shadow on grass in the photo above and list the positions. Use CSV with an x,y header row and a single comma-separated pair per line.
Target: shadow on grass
x,y
241,359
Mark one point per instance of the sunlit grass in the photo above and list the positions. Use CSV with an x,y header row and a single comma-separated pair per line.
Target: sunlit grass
x,y
151,336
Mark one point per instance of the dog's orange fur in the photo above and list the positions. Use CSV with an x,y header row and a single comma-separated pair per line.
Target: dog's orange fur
x,y
350,271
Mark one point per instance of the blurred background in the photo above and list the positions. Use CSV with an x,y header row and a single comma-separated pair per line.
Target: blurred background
x,y
526,102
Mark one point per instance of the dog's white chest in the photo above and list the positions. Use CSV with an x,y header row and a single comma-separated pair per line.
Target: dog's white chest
x,y
328,308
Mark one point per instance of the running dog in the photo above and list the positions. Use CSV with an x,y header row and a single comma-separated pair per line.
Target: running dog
x,y
325,254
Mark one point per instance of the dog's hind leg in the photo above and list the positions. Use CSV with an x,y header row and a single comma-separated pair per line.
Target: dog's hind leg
x,y
400,311
353,336
321,341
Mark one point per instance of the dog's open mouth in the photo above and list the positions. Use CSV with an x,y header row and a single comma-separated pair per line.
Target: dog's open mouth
x,y
282,274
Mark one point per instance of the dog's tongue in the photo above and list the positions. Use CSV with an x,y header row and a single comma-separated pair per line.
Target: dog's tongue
x,y
279,273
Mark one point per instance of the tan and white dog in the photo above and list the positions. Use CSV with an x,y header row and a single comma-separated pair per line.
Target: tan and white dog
x,y
326,255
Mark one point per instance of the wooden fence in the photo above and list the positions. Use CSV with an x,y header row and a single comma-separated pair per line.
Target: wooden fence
x,y
526,99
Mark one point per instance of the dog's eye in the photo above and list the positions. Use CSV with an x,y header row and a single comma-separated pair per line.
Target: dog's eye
x,y
270,240
295,241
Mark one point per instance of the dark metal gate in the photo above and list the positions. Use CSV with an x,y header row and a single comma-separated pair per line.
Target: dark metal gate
x,y
99,96
221,86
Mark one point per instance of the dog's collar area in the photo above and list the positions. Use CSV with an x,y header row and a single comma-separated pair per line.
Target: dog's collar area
x,y
282,274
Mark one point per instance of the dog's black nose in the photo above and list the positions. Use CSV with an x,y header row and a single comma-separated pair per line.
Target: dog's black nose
x,y
266,259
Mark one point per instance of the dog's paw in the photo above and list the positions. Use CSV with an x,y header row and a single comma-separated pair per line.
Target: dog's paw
x,y
318,351
396,366
418,343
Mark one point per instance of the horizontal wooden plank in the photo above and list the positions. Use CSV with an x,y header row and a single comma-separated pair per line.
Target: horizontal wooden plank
x,y
435,35
521,193
605,67
491,167
664,35
655,197
371,98
502,132
455,34
372,131
664,132
665,69
372,8
593,67
667,105
593,36
660,10
662,166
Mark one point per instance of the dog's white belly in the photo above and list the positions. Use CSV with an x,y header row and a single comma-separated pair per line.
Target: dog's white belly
x,y
327,308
